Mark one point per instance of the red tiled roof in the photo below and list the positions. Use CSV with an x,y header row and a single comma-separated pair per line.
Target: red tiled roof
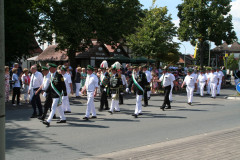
x,y
50,54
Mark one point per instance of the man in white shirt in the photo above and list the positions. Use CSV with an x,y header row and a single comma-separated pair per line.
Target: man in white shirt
x,y
91,86
68,82
166,79
172,85
208,84
214,81
202,79
190,81
147,91
35,82
221,77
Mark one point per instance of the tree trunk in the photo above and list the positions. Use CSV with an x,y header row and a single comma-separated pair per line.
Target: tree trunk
x,y
201,54
72,57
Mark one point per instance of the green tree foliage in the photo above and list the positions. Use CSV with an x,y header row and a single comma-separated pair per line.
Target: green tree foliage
x,y
77,22
232,63
154,37
205,54
21,22
202,20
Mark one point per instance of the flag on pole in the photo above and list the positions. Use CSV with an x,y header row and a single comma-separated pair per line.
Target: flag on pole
x,y
195,51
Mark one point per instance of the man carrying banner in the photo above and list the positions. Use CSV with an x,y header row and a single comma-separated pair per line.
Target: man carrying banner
x,y
56,90
139,80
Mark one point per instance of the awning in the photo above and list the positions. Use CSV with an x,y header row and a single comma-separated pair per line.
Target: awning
x,y
142,60
32,58
120,58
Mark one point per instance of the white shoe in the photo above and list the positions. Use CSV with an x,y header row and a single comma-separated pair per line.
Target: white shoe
x,y
20,104
14,105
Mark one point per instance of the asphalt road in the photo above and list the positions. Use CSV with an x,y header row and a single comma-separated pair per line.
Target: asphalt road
x,y
28,139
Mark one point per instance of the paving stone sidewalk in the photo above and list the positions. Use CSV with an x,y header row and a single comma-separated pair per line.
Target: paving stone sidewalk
x,y
219,145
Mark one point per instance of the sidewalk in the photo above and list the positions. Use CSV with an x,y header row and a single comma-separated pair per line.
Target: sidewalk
x,y
219,145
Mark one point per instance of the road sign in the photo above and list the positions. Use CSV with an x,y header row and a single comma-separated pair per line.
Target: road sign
x,y
238,87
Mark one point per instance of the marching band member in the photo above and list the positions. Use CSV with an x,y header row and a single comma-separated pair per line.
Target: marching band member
x,y
115,83
190,81
147,91
201,80
104,86
91,86
214,81
56,90
139,80
68,83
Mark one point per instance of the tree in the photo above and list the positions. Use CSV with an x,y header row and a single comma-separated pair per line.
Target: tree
x,y
232,63
77,22
202,20
21,23
154,37
205,49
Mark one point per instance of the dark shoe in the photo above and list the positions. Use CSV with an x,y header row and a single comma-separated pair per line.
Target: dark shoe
x,y
110,112
189,103
116,111
169,107
145,105
140,114
107,108
54,116
46,123
100,109
218,94
135,115
62,121
86,118
34,116
162,108
94,117
41,117
149,98
67,112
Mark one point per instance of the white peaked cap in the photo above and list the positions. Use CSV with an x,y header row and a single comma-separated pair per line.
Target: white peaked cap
x,y
104,64
116,65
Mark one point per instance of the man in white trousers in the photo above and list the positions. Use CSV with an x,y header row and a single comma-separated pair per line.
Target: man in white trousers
x,y
221,78
201,81
68,82
139,80
208,71
190,82
56,90
172,84
91,86
213,80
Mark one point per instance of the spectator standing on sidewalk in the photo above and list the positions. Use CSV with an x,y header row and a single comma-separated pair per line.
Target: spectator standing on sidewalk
x,y
16,87
78,81
7,85
83,79
25,84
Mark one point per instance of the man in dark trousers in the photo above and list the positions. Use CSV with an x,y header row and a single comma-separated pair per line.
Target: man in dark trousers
x,y
35,83
56,89
139,80
166,80
104,86
147,87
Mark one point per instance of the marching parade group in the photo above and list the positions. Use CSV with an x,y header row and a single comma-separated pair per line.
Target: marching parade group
x,y
56,85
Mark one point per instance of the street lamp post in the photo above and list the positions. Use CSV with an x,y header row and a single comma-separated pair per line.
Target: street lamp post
x,y
209,56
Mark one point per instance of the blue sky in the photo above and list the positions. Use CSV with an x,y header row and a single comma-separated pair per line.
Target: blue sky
x,y
172,4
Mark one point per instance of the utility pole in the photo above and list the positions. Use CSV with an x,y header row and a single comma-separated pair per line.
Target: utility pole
x,y
2,83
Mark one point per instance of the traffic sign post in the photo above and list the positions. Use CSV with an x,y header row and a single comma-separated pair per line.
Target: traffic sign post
x,y
238,87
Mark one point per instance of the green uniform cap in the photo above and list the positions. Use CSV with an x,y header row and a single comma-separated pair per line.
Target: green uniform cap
x,y
63,68
190,70
44,68
52,65
89,67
